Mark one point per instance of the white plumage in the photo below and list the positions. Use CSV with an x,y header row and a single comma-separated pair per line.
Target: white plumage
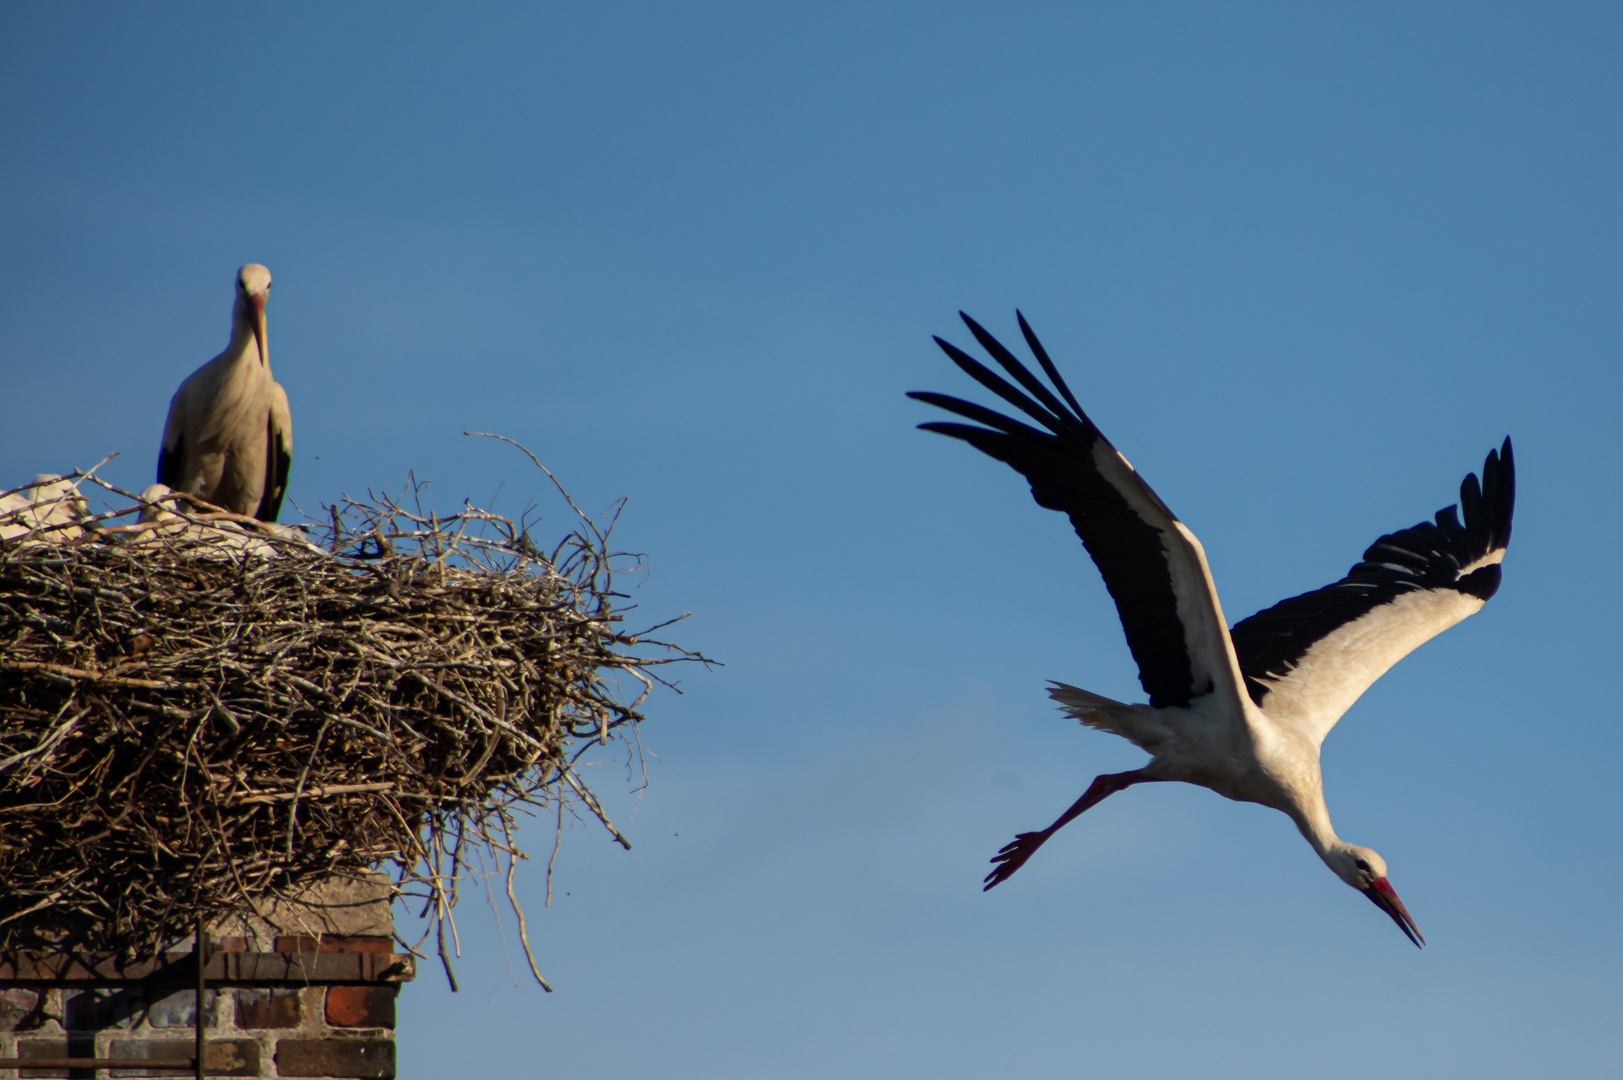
x,y
1241,711
228,438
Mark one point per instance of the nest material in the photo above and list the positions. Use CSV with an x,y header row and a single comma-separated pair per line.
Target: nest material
x,y
190,726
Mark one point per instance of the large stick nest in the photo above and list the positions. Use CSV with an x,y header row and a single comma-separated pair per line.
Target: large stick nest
x,y
198,716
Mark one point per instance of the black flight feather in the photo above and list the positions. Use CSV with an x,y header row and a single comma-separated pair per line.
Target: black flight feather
x,y
1431,555
169,463
1060,466
278,462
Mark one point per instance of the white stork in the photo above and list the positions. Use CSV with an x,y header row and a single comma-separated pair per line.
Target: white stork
x,y
229,436
1241,711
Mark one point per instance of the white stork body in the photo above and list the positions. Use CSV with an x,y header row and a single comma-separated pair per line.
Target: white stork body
x,y
229,435
1241,711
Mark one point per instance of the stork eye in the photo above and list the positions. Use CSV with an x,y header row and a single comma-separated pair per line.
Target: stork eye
x,y
1362,865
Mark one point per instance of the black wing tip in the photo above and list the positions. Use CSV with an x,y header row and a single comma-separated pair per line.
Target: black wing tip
x,y
970,321
1505,497
1500,463
1269,643
980,332
1038,402
1048,365
1498,493
1488,504
1011,364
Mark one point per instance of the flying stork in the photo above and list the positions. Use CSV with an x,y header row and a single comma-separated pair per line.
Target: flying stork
x,y
229,436
1241,710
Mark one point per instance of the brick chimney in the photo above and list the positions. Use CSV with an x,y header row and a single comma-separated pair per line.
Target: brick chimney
x,y
308,990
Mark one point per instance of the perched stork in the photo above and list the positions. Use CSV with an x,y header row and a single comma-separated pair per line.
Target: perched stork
x,y
1241,711
229,436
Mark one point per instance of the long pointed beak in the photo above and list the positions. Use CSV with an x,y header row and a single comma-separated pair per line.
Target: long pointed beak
x,y
1386,898
258,301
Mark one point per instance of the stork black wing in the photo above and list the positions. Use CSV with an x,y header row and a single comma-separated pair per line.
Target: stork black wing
x,y
1312,655
1152,565
169,463
278,461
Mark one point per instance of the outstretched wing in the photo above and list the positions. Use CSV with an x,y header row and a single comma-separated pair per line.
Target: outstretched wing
x,y
1307,659
1152,565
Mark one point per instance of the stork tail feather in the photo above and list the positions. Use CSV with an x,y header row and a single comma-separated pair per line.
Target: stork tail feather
x,y
1094,710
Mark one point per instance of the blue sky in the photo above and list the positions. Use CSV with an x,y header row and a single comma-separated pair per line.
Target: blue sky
x,y
1305,264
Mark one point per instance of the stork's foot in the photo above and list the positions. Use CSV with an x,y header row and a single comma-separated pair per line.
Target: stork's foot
x,y
1013,856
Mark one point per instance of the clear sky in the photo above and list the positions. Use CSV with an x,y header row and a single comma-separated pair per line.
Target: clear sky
x,y
1304,264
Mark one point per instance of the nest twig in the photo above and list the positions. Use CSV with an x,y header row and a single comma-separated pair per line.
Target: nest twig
x,y
198,714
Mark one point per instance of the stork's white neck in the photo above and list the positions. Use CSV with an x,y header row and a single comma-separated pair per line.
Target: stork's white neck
x,y
1340,856
1312,818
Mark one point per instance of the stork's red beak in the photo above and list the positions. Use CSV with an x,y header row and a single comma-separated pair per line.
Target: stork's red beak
x,y
1386,898
258,302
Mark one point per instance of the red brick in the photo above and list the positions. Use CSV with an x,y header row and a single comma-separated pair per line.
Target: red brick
x,y
369,1059
360,1006
267,1008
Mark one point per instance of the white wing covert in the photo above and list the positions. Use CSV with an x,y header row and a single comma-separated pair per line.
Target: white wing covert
x,y
1307,659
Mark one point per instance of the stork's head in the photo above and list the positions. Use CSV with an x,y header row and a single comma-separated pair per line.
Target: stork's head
x,y
1365,871
253,289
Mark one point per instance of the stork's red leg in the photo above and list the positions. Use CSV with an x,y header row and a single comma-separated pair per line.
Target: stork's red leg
x,y
1015,853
